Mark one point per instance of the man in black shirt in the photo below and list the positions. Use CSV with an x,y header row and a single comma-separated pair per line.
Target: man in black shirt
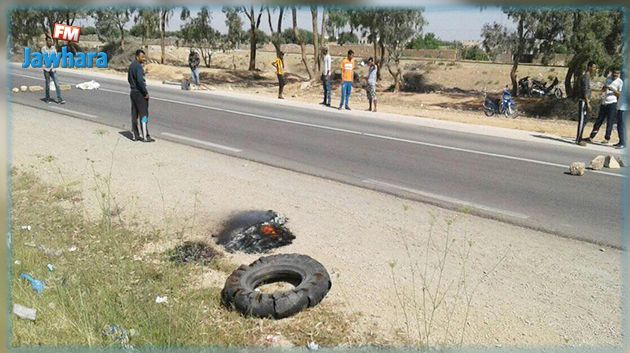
x,y
139,98
584,105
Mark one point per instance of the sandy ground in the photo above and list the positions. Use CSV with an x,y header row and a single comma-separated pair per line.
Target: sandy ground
x,y
524,287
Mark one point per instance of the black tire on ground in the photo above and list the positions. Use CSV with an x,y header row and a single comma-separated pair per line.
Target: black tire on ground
x,y
488,111
309,277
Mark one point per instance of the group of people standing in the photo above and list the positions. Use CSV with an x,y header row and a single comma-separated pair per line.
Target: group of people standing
x,y
612,108
347,66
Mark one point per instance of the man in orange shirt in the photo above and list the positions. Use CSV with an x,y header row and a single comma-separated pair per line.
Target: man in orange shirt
x,y
347,76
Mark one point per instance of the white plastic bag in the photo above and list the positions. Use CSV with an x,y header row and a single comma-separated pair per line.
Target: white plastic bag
x,y
88,85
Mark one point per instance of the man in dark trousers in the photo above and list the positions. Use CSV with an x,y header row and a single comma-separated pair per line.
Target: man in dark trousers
x,y
193,63
139,99
584,105
278,64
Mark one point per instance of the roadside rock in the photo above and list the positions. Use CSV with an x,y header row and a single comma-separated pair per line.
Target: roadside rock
x,y
577,168
23,88
620,161
15,90
612,163
305,85
35,88
65,87
598,163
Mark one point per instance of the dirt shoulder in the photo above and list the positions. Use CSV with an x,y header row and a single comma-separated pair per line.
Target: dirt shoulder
x,y
500,284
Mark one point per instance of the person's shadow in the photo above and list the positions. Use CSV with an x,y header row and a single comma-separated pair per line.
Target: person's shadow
x,y
554,138
126,134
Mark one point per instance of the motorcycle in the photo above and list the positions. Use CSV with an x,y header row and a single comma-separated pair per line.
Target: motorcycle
x,y
540,89
505,105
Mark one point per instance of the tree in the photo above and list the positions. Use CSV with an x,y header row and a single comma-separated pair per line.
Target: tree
x,y
234,24
524,40
401,26
288,36
317,59
198,33
110,24
146,26
164,16
347,37
254,23
336,22
24,28
428,41
300,39
592,35
276,36
496,39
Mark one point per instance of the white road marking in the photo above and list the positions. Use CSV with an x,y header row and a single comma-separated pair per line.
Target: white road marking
x,y
354,132
205,143
73,112
446,199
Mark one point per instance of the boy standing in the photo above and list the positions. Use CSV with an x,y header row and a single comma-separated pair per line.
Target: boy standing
x,y
279,65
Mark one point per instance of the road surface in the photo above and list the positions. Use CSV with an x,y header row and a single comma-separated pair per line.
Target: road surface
x,y
516,181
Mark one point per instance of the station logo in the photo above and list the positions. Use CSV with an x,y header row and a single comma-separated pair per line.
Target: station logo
x,y
65,58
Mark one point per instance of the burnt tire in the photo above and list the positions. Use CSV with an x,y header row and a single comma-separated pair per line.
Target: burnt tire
x,y
309,277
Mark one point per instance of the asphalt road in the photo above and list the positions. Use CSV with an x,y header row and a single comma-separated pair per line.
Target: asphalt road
x,y
520,182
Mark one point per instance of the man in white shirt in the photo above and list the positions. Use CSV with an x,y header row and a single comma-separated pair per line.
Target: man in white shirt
x,y
608,107
326,76
622,106
371,83
49,72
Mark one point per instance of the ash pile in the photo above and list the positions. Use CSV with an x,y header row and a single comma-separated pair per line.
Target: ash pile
x,y
255,232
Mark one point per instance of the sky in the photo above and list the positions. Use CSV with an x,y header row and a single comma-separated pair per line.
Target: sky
x,y
448,22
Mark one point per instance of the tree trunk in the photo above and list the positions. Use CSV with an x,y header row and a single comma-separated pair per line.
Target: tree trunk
x,y
576,82
276,35
381,62
568,88
517,57
122,36
317,62
396,73
252,41
300,40
323,31
162,34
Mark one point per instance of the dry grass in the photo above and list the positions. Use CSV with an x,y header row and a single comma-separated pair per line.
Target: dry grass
x,y
104,283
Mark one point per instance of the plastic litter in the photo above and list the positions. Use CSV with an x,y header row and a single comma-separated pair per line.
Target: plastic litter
x,y
312,346
37,285
72,248
50,267
119,335
161,300
255,232
27,228
17,262
89,85
49,252
24,313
